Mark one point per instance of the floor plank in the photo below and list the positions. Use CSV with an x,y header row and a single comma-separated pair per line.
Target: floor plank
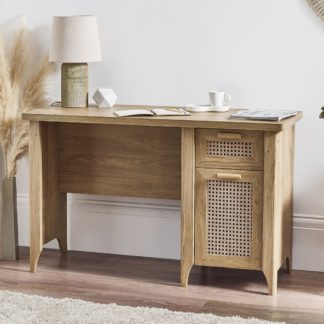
x,y
138,281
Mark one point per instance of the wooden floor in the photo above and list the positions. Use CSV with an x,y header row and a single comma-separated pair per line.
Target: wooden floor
x,y
155,282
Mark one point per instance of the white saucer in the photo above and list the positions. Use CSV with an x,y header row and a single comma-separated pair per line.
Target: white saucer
x,y
206,108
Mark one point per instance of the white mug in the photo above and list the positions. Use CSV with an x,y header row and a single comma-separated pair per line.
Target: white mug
x,y
219,99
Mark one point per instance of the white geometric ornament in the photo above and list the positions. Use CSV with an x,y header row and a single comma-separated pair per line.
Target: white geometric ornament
x,y
105,98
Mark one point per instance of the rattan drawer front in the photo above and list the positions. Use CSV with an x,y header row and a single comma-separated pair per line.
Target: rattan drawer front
x,y
228,218
229,149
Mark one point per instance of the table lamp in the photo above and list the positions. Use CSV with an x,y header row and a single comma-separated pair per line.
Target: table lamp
x,y
75,43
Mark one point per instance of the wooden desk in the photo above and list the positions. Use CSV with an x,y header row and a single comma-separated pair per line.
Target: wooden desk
x,y
234,179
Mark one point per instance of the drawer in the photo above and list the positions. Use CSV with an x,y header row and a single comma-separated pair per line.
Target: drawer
x,y
229,149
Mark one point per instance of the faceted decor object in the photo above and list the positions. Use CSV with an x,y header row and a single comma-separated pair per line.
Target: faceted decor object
x,y
105,98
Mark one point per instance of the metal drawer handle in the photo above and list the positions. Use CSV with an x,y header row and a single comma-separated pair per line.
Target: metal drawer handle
x,y
229,176
229,136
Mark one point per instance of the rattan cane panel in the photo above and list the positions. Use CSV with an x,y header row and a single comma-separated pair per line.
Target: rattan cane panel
x,y
229,218
239,149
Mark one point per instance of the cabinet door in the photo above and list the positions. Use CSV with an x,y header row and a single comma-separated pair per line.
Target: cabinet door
x,y
228,218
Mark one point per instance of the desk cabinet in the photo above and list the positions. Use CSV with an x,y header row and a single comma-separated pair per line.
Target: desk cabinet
x,y
228,205
243,200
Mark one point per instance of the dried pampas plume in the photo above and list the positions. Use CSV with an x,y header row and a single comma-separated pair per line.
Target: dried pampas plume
x,y
22,87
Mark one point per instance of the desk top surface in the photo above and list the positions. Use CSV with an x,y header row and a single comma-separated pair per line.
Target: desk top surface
x,y
94,115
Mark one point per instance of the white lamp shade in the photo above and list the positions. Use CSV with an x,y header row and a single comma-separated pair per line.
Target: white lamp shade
x,y
75,39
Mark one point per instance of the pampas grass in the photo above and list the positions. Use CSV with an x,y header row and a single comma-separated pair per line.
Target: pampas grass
x,y
22,87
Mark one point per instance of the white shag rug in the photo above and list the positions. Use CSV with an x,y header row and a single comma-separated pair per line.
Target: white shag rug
x,y
21,308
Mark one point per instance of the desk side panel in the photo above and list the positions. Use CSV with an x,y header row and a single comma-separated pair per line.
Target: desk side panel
x,y
136,161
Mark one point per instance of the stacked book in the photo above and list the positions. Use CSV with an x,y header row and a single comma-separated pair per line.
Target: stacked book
x,y
272,115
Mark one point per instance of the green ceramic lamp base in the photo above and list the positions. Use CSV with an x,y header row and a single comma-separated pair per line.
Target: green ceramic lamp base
x,y
74,85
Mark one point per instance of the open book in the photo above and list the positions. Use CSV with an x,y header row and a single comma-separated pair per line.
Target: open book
x,y
152,112
272,115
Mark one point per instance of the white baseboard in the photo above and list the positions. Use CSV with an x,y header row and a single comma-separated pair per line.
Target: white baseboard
x,y
308,243
151,227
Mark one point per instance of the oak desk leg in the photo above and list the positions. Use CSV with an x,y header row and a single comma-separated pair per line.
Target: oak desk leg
x,y
270,210
288,200
187,202
277,204
47,204
36,194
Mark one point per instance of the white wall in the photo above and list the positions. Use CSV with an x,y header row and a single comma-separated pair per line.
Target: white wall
x,y
267,54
